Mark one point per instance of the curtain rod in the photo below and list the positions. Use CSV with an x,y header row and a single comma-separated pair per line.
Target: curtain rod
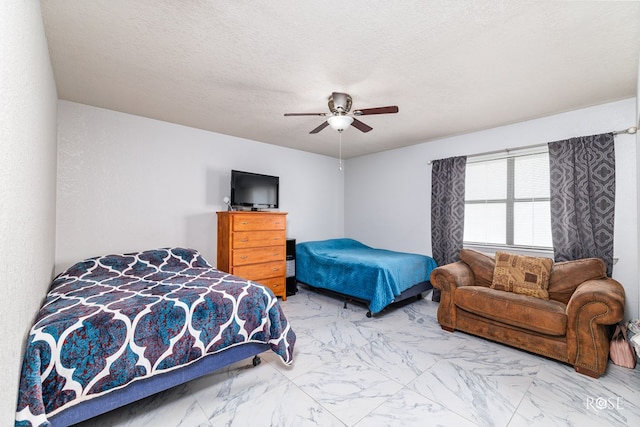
x,y
504,150
632,130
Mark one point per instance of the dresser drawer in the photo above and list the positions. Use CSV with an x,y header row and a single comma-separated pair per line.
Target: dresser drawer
x,y
253,239
261,271
251,222
276,284
258,255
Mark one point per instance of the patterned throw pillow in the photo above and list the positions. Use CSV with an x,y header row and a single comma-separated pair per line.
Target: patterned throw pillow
x,y
522,274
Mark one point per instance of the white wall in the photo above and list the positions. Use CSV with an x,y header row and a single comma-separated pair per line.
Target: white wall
x,y
637,124
28,103
388,195
128,183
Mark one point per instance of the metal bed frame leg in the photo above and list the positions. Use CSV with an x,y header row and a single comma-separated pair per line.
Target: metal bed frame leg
x,y
347,299
256,360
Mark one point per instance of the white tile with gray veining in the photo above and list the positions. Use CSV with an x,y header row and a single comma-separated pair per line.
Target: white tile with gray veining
x,y
408,409
309,355
222,393
396,368
285,405
347,388
559,396
404,352
481,381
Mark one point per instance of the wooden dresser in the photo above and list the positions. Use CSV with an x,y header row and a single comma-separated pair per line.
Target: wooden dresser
x,y
252,245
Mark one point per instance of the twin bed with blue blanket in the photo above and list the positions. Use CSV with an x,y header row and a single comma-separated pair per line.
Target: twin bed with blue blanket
x,y
376,277
117,328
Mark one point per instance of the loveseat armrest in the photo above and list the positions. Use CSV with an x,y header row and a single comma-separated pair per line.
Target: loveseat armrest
x,y
448,278
602,300
594,305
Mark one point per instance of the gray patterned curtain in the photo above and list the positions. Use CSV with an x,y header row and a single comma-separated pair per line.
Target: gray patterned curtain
x,y
583,188
447,210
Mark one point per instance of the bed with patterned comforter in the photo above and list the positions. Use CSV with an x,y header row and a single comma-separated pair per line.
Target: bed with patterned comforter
x,y
133,320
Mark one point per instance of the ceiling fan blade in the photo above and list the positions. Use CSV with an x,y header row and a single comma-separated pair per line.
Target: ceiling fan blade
x,y
319,128
380,110
361,126
305,114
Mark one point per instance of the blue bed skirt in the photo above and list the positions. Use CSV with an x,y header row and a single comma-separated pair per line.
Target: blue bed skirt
x,y
149,386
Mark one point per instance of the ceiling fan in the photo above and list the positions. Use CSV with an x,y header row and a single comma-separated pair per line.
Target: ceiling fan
x,y
341,117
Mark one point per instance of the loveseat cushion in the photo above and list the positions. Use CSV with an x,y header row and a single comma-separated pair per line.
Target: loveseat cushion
x,y
534,314
566,276
481,265
522,274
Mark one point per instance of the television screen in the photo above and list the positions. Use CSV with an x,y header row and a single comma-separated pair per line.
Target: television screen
x,y
254,190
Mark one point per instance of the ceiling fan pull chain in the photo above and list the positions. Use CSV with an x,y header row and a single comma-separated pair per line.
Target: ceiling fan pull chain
x,y
340,160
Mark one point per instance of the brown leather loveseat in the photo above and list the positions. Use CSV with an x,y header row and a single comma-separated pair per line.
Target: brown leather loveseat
x,y
571,326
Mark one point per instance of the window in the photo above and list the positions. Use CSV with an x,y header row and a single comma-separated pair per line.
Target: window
x,y
507,201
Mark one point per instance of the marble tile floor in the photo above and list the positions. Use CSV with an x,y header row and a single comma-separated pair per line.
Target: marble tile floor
x,y
398,368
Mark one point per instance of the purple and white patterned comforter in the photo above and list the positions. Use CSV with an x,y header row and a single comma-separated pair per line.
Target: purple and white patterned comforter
x,y
112,320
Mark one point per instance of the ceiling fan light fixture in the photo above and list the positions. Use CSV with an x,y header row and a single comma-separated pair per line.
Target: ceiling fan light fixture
x,y
340,123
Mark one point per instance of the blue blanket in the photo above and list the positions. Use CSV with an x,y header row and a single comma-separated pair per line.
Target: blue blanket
x,y
354,269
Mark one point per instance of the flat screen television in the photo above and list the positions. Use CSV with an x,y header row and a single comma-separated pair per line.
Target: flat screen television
x,y
254,190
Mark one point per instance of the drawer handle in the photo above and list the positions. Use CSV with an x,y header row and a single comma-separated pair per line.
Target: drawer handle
x,y
244,257
276,238
244,240
276,269
276,253
244,223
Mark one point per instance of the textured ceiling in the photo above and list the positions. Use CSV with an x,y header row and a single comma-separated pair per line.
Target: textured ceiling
x,y
235,68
